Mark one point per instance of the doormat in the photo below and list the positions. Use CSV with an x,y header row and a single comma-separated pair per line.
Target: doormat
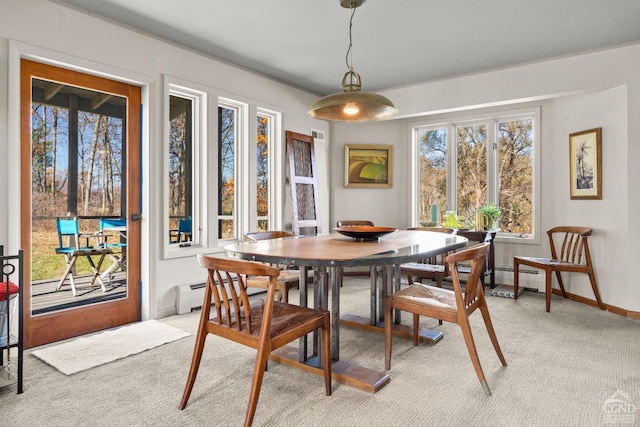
x,y
505,291
88,352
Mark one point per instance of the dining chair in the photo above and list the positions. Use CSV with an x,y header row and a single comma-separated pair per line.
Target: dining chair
x,y
288,279
263,325
69,245
453,306
434,268
573,257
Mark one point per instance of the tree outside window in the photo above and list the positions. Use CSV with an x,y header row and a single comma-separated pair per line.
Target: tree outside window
x,y
493,164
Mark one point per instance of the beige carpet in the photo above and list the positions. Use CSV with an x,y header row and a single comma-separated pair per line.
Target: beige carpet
x,y
565,369
88,352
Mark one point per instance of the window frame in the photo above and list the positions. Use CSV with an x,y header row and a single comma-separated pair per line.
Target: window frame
x,y
200,96
275,171
492,118
206,101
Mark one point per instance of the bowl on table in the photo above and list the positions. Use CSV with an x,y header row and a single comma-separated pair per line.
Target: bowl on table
x,y
365,232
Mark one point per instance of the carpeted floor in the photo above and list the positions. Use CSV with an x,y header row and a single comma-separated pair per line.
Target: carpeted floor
x,y
566,368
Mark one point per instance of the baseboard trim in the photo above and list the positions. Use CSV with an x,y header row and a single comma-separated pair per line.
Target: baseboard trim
x,y
611,308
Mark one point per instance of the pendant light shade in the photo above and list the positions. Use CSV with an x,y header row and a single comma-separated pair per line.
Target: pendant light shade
x,y
351,104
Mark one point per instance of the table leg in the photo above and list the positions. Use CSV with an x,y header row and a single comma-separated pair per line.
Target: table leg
x,y
335,282
302,287
376,322
366,379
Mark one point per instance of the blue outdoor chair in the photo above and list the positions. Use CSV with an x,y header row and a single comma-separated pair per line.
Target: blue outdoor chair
x,y
117,227
183,233
69,246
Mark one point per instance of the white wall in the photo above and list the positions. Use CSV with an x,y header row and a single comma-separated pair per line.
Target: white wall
x,y
44,31
577,93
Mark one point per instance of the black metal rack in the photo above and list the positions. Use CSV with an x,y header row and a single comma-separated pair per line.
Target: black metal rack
x,y
12,270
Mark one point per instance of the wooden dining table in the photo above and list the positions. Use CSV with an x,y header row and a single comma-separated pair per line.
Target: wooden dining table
x,y
326,254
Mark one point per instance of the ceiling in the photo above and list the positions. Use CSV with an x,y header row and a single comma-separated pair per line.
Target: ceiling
x,y
395,42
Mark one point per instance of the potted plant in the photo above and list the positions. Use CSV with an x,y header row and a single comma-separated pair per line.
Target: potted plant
x,y
491,214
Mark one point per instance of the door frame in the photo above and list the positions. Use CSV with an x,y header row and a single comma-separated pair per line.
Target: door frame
x,y
59,325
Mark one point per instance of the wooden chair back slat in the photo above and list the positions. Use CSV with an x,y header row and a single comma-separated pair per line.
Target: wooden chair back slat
x,y
476,255
574,243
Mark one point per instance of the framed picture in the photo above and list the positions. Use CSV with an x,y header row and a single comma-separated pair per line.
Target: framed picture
x,y
585,164
368,166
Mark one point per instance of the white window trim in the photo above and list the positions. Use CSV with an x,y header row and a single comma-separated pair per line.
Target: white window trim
x,y
491,117
276,167
246,218
201,129
241,167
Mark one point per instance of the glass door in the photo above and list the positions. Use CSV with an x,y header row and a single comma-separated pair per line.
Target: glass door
x,y
80,187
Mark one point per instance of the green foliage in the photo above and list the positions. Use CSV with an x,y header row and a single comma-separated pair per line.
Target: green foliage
x,y
491,214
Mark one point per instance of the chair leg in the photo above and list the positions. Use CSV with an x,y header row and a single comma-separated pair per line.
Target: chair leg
x,y
198,346
492,333
516,278
326,354
195,362
387,332
95,268
547,289
416,328
594,285
71,262
439,284
256,382
561,284
473,353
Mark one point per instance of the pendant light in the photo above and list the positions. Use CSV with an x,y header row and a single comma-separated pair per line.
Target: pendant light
x,y
351,104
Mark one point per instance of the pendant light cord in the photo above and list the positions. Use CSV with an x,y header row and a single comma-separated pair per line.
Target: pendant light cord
x,y
353,12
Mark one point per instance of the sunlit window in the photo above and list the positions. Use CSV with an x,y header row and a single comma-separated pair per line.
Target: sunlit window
x,y
464,163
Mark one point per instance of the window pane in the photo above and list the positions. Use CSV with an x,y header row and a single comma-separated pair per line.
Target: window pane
x,y
49,160
433,174
471,171
262,194
99,164
516,176
77,148
226,172
180,160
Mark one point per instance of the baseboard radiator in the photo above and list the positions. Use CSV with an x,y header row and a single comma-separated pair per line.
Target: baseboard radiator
x,y
530,280
189,297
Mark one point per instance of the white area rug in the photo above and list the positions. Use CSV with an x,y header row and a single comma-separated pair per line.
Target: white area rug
x,y
88,352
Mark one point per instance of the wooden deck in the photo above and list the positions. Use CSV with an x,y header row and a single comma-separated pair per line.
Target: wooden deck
x,y
45,298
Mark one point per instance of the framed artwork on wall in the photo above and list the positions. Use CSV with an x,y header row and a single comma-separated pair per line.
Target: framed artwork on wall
x,y
585,164
368,166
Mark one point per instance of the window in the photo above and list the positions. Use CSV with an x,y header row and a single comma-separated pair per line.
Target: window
x,y
239,157
466,162
263,159
228,120
180,167
185,150
246,168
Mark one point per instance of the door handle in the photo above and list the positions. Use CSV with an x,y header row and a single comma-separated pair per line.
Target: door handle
x,y
135,217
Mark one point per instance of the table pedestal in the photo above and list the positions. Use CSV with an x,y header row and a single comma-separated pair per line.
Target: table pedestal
x,y
427,336
353,375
